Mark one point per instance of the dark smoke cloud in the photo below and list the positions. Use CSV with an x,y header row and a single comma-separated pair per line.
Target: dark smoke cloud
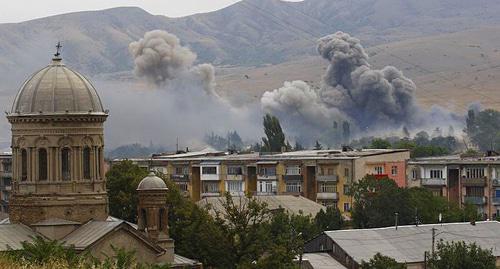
x,y
372,100
160,58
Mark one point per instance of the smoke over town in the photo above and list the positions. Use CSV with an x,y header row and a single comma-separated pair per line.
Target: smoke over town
x,y
352,91
160,58
178,99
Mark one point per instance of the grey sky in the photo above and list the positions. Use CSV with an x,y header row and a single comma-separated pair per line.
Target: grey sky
x,y
22,10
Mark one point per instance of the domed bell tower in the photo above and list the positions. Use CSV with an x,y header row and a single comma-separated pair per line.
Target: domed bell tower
x,y
57,148
152,212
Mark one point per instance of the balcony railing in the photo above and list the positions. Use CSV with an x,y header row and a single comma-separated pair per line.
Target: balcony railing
x,y
496,182
496,200
6,174
266,177
330,178
433,182
179,177
475,200
292,177
327,196
234,177
473,181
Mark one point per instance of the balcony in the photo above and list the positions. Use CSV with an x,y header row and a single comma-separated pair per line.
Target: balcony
x,y
474,182
292,177
7,174
496,182
475,200
434,182
179,177
264,177
234,177
327,178
496,200
327,196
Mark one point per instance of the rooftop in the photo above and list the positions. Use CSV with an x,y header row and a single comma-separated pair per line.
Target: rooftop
x,y
408,243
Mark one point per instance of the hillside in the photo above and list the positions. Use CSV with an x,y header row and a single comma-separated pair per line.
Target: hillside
x,y
452,70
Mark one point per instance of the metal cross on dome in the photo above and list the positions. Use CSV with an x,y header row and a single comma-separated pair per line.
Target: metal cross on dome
x,y
58,47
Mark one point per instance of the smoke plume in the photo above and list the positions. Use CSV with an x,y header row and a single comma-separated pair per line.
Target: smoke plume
x,y
160,58
370,99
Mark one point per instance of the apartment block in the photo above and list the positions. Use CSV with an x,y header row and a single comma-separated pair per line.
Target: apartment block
x,y
323,176
5,181
460,180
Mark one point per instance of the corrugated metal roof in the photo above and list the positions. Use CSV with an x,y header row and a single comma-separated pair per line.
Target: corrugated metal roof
x,y
292,204
11,236
89,233
408,243
322,261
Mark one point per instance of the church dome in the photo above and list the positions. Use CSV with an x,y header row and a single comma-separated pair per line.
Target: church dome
x,y
152,182
56,89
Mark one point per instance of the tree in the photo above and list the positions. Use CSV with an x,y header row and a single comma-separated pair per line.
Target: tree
x,y
330,220
421,138
459,255
380,261
483,129
379,143
318,146
346,132
275,138
122,181
298,146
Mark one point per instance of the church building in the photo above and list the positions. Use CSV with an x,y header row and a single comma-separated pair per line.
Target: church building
x,y
59,186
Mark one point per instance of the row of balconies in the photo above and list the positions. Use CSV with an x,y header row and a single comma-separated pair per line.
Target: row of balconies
x,y
464,182
480,200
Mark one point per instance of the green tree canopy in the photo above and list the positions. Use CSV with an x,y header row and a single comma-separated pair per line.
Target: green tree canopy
x,y
122,181
483,129
379,143
459,255
380,261
275,138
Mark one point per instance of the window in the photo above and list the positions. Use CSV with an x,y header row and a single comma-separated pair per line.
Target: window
x,y
210,187
474,191
42,164
181,170
98,168
346,190
234,170
414,173
436,173
292,170
66,164
183,186
327,187
347,207
162,215
331,171
267,171
86,163
209,170
379,170
266,187
497,193
24,165
294,187
474,173
394,170
234,186
346,172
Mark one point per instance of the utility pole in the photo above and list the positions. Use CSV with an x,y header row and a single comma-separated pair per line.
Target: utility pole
x,y
433,239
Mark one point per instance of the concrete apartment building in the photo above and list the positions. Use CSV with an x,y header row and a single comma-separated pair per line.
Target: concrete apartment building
x,y
460,180
323,176
5,181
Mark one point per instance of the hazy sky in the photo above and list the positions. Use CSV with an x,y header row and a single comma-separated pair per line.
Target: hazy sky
x,y
22,10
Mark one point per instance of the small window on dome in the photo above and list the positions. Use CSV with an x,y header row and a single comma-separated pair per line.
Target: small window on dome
x,y
66,164
24,165
86,163
42,164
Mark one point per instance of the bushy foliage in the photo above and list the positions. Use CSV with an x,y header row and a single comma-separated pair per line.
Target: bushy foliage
x,y
380,261
483,128
275,138
122,181
378,200
459,255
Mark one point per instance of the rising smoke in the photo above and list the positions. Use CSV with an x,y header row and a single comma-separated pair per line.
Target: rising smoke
x,y
371,100
160,58
178,99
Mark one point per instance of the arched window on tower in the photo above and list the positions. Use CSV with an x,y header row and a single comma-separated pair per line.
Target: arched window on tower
x,y
24,165
86,163
42,164
66,164
144,218
162,215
